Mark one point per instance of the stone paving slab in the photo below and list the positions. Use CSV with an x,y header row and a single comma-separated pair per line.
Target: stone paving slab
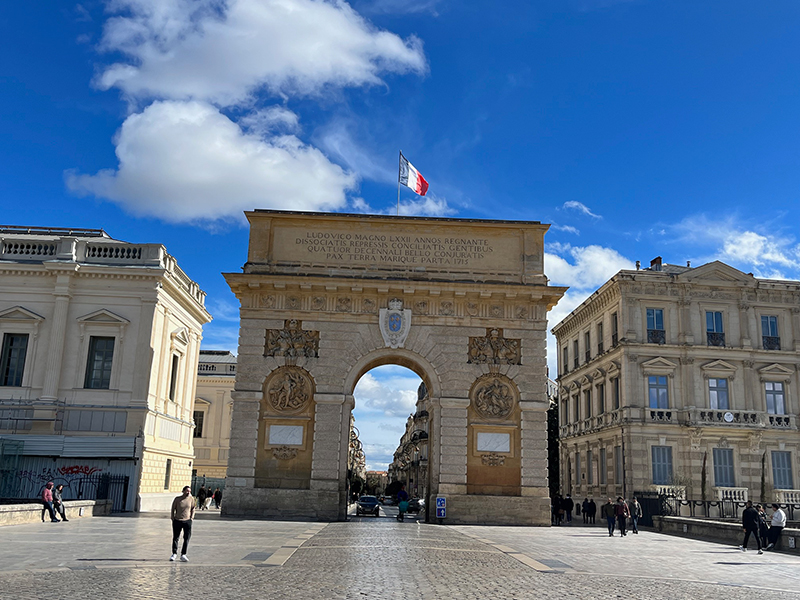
x,y
365,558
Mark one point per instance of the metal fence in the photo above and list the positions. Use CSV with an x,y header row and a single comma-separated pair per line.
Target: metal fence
x,y
98,486
207,482
661,504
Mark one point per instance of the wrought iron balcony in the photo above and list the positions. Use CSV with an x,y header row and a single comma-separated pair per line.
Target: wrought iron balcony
x,y
587,355
715,339
614,340
576,363
656,336
771,342
600,348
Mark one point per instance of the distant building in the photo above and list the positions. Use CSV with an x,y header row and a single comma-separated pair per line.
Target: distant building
x,y
377,482
100,341
410,462
216,374
673,376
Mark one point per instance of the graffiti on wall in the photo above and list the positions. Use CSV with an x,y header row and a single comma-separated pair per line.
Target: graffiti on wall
x,y
33,481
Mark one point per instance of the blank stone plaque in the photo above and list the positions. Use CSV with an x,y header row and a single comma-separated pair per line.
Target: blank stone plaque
x,y
286,435
494,442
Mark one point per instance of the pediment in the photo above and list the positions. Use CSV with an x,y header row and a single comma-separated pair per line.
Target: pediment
x,y
574,385
585,380
181,335
659,362
103,316
201,402
613,367
775,369
598,374
716,271
718,365
18,313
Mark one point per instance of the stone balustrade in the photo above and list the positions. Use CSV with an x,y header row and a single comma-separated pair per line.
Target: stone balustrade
x,y
735,494
787,496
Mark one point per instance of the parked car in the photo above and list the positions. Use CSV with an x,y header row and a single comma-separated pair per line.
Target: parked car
x,y
415,505
368,505
388,501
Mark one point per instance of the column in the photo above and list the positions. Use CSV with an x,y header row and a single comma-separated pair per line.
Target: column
x,y
244,441
329,429
58,329
452,436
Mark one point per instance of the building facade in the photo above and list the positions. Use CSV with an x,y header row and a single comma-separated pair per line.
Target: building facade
x,y
213,406
410,461
100,342
682,380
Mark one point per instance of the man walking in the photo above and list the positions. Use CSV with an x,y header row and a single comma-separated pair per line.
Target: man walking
x,y
750,526
182,514
778,523
621,511
592,510
569,505
47,501
608,512
636,513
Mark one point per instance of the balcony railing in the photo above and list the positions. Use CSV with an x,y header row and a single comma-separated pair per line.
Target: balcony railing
x,y
715,339
770,342
787,496
576,363
780,421
656,336
718,417
600,348
734,494
674,491
661,415
614,340
587,356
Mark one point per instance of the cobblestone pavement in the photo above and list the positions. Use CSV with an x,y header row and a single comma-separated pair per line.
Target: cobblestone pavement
x,y
365,558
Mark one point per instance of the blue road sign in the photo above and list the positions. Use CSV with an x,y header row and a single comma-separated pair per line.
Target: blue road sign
x,y
441,502
441,513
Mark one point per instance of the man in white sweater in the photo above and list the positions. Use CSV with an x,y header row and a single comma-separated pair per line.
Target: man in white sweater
x,y
182,514
778,523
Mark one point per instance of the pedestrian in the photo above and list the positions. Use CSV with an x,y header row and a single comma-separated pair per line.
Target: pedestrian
x,y
201,497
592,510
750,525
608,512
182,514
763,527
58,502
559,505
569,505
636,513
402,502
622,513
209,497
47,501
217,497
778,523
555,505
585,509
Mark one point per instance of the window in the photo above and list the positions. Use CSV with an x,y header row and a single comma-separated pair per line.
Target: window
x,y
199,416
589,474
659,393
614,329
715,334
723,467
575,358
655,326
599,338
718,394
565,411
782,470
587,401
587,338
601,467
12,359
601,399
98,365
565,361
168,474
770,339
776,397
577,401
662,465
617,465
173,377
577,468
616,392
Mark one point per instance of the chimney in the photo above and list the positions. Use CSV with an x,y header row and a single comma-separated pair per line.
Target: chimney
x,y
655,264
688,263
638,265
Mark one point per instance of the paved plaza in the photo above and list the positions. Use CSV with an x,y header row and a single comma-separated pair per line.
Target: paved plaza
x,y
368,557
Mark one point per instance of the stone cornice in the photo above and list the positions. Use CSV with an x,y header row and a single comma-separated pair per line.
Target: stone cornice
x,y
588,310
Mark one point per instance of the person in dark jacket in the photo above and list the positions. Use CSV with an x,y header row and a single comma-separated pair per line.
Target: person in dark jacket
x,y
585,510
763,527
750,521
608,512
569,506
592,510
622,513
201,497
636,514
58,502
217,497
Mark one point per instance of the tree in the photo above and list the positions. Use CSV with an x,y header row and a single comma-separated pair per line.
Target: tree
x,y
704,476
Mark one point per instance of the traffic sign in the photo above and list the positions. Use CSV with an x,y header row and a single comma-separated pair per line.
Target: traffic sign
x,y
441,513
441,502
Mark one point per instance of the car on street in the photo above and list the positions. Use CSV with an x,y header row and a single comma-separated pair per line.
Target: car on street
x,y
368,505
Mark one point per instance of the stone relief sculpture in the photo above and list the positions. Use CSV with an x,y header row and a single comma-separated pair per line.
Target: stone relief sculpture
x,y
289,390
292,341
318,303
493,396
284,453
493,460
446,308
368,305
343,304
494,349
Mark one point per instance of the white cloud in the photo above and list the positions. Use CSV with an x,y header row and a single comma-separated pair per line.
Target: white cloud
x,y
566,228
186,161
591,266
399,6
429,206
338,142
268,121
395,397
580,207
224,52
752,248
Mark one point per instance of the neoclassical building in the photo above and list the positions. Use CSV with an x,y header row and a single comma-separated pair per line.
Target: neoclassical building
x,y
216,374
100,342
673,376
410,460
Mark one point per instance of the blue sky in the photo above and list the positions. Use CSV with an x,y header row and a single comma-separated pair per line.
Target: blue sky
x,y
637,128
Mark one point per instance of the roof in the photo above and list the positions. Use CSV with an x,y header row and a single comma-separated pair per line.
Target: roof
x,y
217,356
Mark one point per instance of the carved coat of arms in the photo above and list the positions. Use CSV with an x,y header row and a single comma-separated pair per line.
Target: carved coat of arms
x,y
395,323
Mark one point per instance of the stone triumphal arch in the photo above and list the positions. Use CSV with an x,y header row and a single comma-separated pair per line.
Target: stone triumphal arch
x,y
327,297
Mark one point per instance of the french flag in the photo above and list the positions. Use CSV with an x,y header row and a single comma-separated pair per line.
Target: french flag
x,y
412,178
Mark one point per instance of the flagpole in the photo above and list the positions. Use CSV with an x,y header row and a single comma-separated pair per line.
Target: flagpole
x,y
399,163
